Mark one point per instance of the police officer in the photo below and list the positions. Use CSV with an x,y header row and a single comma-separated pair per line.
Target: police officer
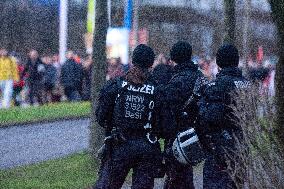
x,y
162,73
217,126
175,94
127,107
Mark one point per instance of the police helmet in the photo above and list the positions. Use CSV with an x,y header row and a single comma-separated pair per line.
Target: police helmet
x,y
187,149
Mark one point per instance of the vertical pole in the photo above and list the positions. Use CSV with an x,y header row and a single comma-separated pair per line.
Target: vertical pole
x,y
90,26
135,22
127,24
109,12
63,32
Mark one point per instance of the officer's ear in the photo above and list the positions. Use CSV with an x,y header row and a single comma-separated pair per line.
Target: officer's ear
x,y
172,62
219,68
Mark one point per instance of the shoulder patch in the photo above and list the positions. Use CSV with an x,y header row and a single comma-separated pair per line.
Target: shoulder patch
x,y
211,84
241,84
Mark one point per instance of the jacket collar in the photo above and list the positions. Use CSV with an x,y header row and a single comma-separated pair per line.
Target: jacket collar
x,y
186,66
230,71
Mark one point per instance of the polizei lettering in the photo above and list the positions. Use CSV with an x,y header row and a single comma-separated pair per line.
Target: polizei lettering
x,y
147,89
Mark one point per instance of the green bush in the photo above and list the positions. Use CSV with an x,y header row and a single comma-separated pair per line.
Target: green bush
x,y
259,163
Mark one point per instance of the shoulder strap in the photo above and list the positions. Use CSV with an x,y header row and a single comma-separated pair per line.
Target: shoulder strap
x,y
184,73
200,83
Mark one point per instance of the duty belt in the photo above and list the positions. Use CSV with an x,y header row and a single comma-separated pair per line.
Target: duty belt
x,y
140,135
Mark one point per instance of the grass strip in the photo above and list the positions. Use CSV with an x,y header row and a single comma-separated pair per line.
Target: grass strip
x,y
19,115
72,172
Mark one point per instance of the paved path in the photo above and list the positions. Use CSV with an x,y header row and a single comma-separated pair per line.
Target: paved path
x,y
35,143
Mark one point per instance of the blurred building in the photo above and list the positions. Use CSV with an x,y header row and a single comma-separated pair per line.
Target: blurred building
x,y
30,24
34,24
201,23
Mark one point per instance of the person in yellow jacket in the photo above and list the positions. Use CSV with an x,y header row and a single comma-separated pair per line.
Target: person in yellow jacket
x,y
8,74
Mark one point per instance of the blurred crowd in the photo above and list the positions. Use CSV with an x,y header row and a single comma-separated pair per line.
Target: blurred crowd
x,y
257,70
37,80
261,71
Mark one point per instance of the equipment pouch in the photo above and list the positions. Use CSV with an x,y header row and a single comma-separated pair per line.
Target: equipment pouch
x,y
105,151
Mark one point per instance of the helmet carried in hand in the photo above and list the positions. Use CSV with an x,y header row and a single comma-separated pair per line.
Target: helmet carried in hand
x,y
187,148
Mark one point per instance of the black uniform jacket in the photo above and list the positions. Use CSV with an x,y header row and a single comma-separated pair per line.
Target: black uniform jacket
x,y
130,108
174,95
216,117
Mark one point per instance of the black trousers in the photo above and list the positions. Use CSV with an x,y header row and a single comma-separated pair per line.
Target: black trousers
x,y
114,172
179,176
72,94
36,90
17,90
215,175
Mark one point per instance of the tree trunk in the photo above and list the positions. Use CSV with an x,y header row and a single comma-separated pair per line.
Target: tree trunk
x,y
246,28
278,16
230,21
246,35
99,70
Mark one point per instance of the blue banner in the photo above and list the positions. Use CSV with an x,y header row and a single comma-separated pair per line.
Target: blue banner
x,y
128,14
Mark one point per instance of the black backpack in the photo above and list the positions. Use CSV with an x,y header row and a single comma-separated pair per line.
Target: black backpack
x,y
189,110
